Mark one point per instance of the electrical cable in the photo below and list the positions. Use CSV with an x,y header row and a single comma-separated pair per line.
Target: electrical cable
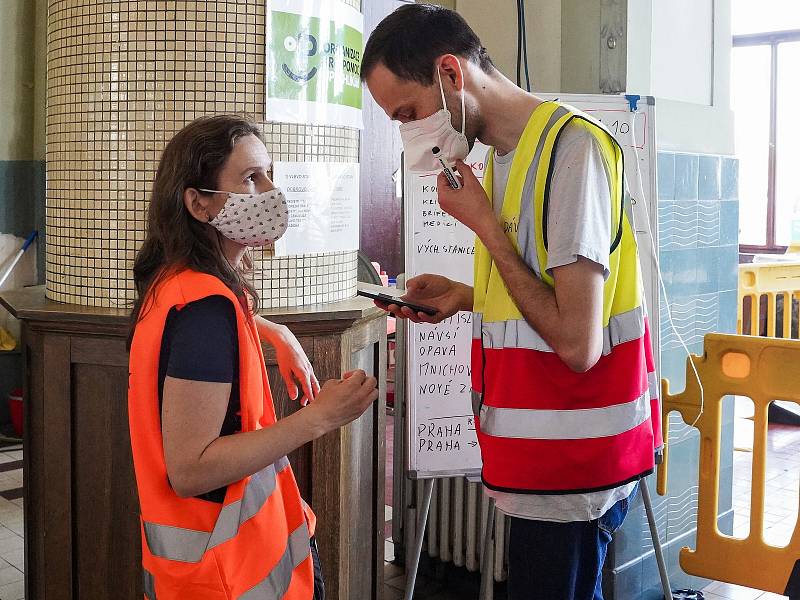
x,y
663,287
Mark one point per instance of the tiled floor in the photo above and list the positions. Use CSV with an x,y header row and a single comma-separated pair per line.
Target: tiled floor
x,y
782,492
11,524
782,477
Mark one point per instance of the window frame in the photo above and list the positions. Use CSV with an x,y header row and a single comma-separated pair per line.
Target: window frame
x,y
771,39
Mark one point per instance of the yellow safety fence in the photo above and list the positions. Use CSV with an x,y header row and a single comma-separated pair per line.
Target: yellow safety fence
x,y
763,369
761,283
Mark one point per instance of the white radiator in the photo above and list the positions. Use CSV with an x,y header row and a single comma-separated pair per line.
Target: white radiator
x,y
456,524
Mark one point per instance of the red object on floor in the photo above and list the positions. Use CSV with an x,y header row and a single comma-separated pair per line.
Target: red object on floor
x,y
15,408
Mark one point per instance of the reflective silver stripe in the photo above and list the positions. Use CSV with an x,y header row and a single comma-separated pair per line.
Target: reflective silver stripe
x,y
175,543
526,237
580,424
477,398
518,333
274,585
149,584
477,321
652,384
513,334
623,327
189,545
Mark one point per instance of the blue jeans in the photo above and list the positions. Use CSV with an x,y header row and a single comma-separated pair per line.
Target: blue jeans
x,y
561,561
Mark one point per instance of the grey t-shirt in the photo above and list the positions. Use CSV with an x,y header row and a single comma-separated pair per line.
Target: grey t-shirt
x,y
578,224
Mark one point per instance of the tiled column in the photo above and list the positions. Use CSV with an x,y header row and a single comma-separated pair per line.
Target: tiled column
x,y
122,78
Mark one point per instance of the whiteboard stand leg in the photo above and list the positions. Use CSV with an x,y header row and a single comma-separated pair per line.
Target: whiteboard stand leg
x,y
422,521
487,559
651,521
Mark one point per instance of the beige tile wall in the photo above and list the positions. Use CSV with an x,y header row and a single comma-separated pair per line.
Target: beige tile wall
x,y
122,77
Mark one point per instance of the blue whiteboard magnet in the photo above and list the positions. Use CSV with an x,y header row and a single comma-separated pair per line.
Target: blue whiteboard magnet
x,y
633,101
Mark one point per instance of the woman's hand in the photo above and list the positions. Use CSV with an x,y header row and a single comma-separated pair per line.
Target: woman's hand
x,y
293,363
344,400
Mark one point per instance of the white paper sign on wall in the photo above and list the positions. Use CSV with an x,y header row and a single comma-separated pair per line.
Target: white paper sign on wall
x,y
323,207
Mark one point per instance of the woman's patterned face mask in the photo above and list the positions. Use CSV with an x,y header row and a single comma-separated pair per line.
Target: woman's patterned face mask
x,y
252,219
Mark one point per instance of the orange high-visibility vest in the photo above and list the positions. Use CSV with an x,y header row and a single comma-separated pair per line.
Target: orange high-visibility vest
x,y
253,546
543,428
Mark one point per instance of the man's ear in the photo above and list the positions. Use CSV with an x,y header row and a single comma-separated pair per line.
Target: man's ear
x,y
197,204
452,69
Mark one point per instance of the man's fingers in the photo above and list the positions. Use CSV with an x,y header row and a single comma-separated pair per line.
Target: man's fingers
x,y
409,314
465,171
416,283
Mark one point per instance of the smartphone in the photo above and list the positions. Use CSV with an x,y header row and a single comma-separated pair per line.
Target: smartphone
x,y
390,296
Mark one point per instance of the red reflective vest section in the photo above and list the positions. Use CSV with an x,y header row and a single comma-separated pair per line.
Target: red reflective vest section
x,y
545,429
655,391
256,544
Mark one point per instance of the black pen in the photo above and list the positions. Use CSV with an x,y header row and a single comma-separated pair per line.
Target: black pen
x,y
448,172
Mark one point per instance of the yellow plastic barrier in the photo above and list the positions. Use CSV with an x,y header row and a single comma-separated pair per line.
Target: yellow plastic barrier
x,y
771,280
763,369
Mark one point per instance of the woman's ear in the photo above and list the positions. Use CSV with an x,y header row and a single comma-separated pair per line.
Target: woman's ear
x,y
197,204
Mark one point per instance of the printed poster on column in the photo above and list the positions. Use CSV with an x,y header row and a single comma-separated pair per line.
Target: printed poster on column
x,y
314,50
323,207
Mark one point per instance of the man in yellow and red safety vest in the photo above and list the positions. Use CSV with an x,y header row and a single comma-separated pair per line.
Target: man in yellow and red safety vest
x,y
563,379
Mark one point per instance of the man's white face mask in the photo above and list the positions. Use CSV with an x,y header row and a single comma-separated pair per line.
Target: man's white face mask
x,y
420,137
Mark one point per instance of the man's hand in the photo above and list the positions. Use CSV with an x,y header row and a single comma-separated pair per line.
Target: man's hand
x,y
446,296
469,204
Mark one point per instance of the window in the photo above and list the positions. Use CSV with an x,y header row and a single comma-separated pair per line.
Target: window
x,y
765,91
787,144
751,106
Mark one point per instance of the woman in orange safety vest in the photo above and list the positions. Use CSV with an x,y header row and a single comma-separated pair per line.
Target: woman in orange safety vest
x,y
221,514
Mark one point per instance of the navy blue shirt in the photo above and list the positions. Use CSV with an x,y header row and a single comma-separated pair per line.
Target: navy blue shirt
x,y
200,343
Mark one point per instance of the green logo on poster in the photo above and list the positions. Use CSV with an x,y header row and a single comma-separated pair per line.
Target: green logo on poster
x,y
314,60
302,43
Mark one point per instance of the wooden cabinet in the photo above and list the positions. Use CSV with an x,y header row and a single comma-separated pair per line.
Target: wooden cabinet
x,y
82,536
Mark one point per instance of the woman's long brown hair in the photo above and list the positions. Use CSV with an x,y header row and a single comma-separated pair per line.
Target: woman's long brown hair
x,y
175,239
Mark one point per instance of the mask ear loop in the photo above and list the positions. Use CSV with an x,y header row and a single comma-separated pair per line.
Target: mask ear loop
x,y
463,112
444,103
441,88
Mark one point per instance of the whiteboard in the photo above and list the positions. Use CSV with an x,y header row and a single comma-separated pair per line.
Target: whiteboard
x,y
440,429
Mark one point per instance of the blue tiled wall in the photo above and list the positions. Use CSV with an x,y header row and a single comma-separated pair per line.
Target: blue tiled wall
x,y
698,250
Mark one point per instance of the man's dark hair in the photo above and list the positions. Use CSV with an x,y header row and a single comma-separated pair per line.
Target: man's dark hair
x,y
409,41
